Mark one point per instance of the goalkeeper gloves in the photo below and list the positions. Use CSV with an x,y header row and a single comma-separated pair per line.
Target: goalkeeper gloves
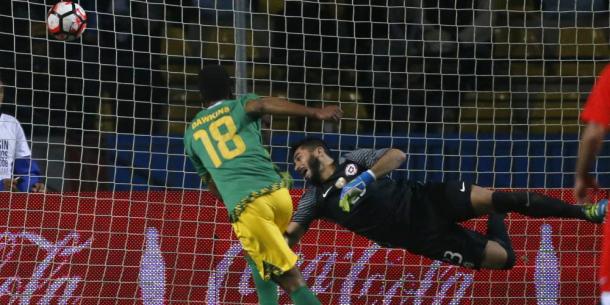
x,y
354,190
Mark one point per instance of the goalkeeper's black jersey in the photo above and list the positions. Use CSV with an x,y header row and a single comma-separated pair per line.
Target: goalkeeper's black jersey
x,y
380,215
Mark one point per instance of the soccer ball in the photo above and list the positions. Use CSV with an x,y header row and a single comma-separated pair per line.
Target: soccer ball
x,y
66,20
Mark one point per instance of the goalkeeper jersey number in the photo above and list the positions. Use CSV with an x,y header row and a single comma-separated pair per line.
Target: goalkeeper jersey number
x,y
225,142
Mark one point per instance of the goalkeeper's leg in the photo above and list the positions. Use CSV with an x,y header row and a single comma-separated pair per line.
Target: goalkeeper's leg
x,y
485,201
499,253
266,290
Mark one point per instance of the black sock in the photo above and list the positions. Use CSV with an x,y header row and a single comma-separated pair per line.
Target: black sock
x,y
535,205
496,230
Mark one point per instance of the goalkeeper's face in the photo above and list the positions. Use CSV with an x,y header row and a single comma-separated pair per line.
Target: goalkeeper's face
x,y
307,165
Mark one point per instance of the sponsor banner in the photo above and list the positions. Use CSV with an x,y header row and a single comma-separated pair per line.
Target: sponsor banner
x,y
157,248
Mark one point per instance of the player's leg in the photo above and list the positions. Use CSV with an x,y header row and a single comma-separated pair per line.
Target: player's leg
x,y
458,246
260,229
466,248
495,257
294,284
485,201
434,215
291,280
433,231
499,253
266,290
604,268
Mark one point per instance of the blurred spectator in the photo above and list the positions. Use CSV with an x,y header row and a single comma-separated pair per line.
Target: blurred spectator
x,y
210,13
214,12
456,56
573,13
18,171
130,35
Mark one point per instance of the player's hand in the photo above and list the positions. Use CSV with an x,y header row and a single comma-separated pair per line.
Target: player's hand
x,y
212,187
581,184
10,184
354,190
329,113
38,187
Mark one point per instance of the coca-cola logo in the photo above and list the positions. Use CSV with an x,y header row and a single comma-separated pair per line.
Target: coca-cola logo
x,y
434,284
46,280
36,270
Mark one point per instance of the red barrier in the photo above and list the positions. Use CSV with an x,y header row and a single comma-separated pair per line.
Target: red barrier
x,y
168,248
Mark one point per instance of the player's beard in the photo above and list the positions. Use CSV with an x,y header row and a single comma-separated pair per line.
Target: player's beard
x,y
314,168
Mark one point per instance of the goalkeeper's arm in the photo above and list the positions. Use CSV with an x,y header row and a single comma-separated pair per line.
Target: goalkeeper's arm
x,y
390,161
355,189
293,233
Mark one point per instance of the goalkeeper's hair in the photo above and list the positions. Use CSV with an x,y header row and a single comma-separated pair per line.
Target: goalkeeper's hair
x,y
214,83
310,143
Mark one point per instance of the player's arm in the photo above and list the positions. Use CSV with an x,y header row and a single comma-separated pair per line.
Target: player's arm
x,y
596,113
590,145
211,186
293,233
30,175
391,160
281,106
379,162
305,214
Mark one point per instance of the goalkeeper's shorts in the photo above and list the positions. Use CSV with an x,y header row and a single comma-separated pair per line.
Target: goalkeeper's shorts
x,y
260,229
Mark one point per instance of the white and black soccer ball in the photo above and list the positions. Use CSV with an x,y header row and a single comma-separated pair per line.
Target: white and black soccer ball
x,y
66,20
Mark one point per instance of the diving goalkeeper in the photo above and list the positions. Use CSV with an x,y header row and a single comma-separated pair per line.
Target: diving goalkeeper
x,y
422,218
